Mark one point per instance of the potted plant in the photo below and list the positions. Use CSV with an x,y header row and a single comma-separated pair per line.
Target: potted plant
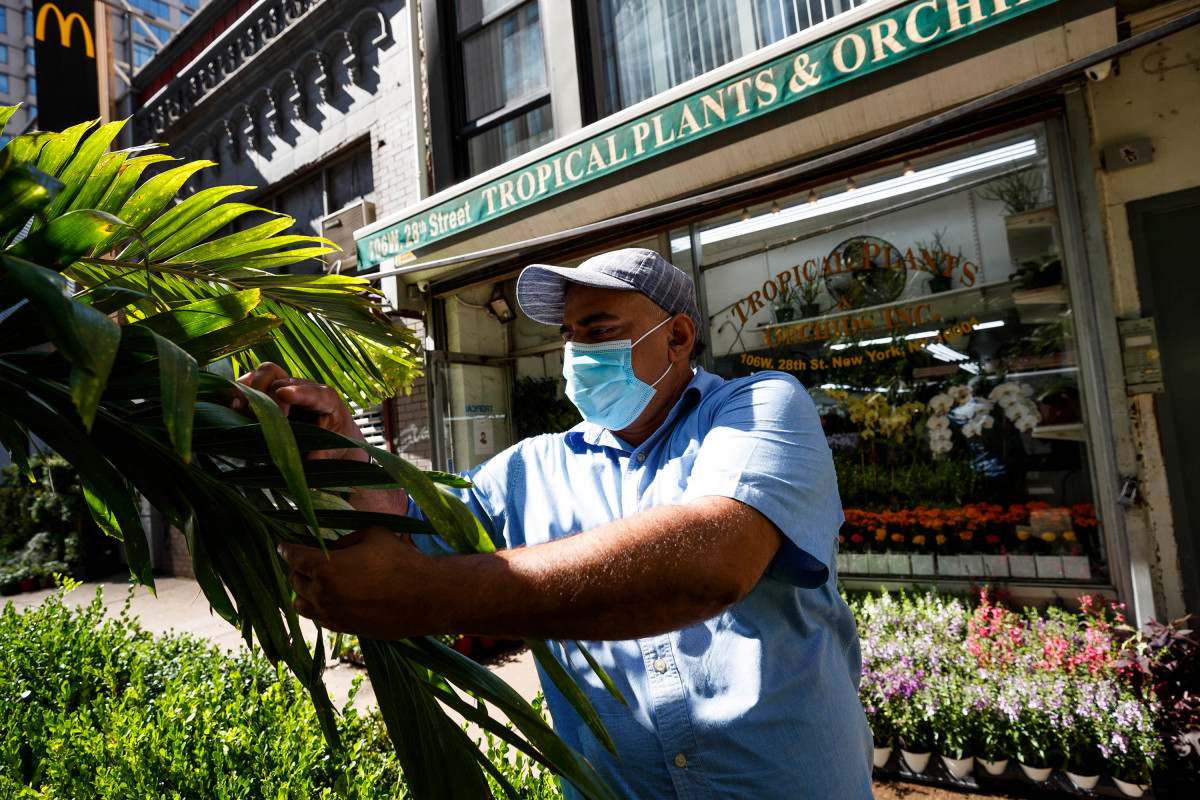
x,y
8,580
954,726
915,729
1038,273
1018,192
807,295
25,577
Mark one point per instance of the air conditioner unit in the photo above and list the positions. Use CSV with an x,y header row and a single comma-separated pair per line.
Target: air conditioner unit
x,y
339,228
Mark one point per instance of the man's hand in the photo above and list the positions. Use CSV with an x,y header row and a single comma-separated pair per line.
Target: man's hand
x,y
330,412
367,584
319,400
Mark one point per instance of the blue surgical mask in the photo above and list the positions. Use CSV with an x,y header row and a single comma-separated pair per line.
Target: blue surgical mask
x,y
601,383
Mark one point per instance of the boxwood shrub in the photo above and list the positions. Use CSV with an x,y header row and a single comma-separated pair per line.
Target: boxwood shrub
x,y
94,707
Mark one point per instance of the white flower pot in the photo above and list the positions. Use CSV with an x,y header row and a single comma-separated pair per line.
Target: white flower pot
x,y
994,767
1049,566
877,563
959,768
898,564
1022,567
921,564
840,560
996,566
1130,789
1035,774
882,754
917,762
971,564
1076,568
948,565
1084,782
856,562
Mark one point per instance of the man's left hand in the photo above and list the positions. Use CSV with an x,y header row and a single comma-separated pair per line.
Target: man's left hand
x,y
365,585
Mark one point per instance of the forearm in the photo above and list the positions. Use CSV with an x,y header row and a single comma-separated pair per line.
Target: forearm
x,y
660,570
383,501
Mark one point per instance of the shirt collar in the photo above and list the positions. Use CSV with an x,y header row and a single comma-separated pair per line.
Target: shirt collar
x,y
595,436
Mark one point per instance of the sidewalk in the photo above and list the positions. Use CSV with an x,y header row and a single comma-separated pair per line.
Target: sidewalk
x,y
181,607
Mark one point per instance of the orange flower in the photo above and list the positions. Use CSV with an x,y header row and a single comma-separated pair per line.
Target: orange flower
x,y
966,536
880,534
1069,535
897,537
918,539
1049,537
940,539
1022,535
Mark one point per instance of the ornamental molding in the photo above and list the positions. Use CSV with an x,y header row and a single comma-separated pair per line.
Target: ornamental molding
x,y
240,51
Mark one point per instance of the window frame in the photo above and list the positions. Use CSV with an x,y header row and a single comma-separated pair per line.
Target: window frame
x,y
449,120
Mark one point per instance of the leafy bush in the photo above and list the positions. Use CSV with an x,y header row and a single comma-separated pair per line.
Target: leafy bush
x,y
97,708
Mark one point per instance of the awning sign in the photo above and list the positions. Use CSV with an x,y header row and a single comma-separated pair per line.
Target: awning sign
x,y
890,37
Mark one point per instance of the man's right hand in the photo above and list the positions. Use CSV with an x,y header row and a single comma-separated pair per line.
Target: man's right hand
x,y
320,401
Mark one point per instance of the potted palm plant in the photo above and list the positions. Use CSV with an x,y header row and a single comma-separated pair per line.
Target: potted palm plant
x,y
122,304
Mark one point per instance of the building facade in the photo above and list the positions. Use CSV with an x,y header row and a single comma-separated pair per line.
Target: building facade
x,y
134,29
959,223
951,220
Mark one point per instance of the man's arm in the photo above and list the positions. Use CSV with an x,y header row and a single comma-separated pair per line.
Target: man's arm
x,y
660,570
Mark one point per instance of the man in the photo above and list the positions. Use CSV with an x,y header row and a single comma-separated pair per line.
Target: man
x,y
702,574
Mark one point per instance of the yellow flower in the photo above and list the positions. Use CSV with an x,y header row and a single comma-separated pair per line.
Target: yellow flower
x,y
1049,537
880,534
1022,535
919,539
897,537
1069,536
940,539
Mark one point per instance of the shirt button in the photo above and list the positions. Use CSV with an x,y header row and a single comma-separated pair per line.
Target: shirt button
x,y
660,665
680,761
641,457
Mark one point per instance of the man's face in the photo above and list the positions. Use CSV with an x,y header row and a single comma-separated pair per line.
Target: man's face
x,y
593,315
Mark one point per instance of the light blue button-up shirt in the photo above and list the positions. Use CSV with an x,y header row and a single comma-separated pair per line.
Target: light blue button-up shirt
x,y
758,702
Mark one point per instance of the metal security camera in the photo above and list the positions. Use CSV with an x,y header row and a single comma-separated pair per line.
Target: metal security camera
x,y
423,286
1098,72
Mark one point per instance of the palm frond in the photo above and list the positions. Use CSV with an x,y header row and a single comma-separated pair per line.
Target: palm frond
x,y
114,373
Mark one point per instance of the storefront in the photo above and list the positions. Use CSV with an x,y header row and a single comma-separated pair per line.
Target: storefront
x,y
929,276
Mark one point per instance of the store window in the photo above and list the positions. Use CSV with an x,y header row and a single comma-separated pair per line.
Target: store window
x,y
503,104
925,306
645,47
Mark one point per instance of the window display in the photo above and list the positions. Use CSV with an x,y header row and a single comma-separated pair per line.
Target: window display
x,y
925,307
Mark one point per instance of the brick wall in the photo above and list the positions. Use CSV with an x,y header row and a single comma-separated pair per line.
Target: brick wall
x,y
410,413
176,561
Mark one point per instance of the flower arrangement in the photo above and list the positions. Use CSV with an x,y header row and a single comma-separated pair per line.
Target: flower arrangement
x,y
975,526
1048,689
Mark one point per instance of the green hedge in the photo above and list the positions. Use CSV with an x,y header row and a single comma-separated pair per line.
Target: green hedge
x,y
96,708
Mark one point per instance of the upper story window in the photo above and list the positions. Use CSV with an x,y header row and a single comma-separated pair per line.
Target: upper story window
x,y
141,54
29,22
155,7
3,84
640,48
499,61
3,20
3,54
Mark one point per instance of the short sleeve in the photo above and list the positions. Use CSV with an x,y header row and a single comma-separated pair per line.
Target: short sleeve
x,y
764,447
478,498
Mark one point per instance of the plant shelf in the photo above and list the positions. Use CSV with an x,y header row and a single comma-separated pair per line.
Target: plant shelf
x,y
1072,431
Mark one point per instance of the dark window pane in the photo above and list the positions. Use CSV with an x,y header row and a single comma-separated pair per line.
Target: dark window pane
x,y
504,62
472,11
351,180
649,46
511,139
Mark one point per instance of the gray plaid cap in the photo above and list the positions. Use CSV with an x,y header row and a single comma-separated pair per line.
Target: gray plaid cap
x,y
542,289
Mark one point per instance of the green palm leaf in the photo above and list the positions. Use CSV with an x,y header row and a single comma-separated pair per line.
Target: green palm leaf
x,y
116,377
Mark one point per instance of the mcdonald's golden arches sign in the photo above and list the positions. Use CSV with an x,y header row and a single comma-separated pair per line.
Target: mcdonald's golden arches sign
x,y
64,35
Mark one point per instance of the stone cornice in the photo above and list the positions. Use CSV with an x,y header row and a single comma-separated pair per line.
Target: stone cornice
x,y
237,68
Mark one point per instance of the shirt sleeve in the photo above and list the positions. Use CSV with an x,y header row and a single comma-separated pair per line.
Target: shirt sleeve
x,y
765,447
478,498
